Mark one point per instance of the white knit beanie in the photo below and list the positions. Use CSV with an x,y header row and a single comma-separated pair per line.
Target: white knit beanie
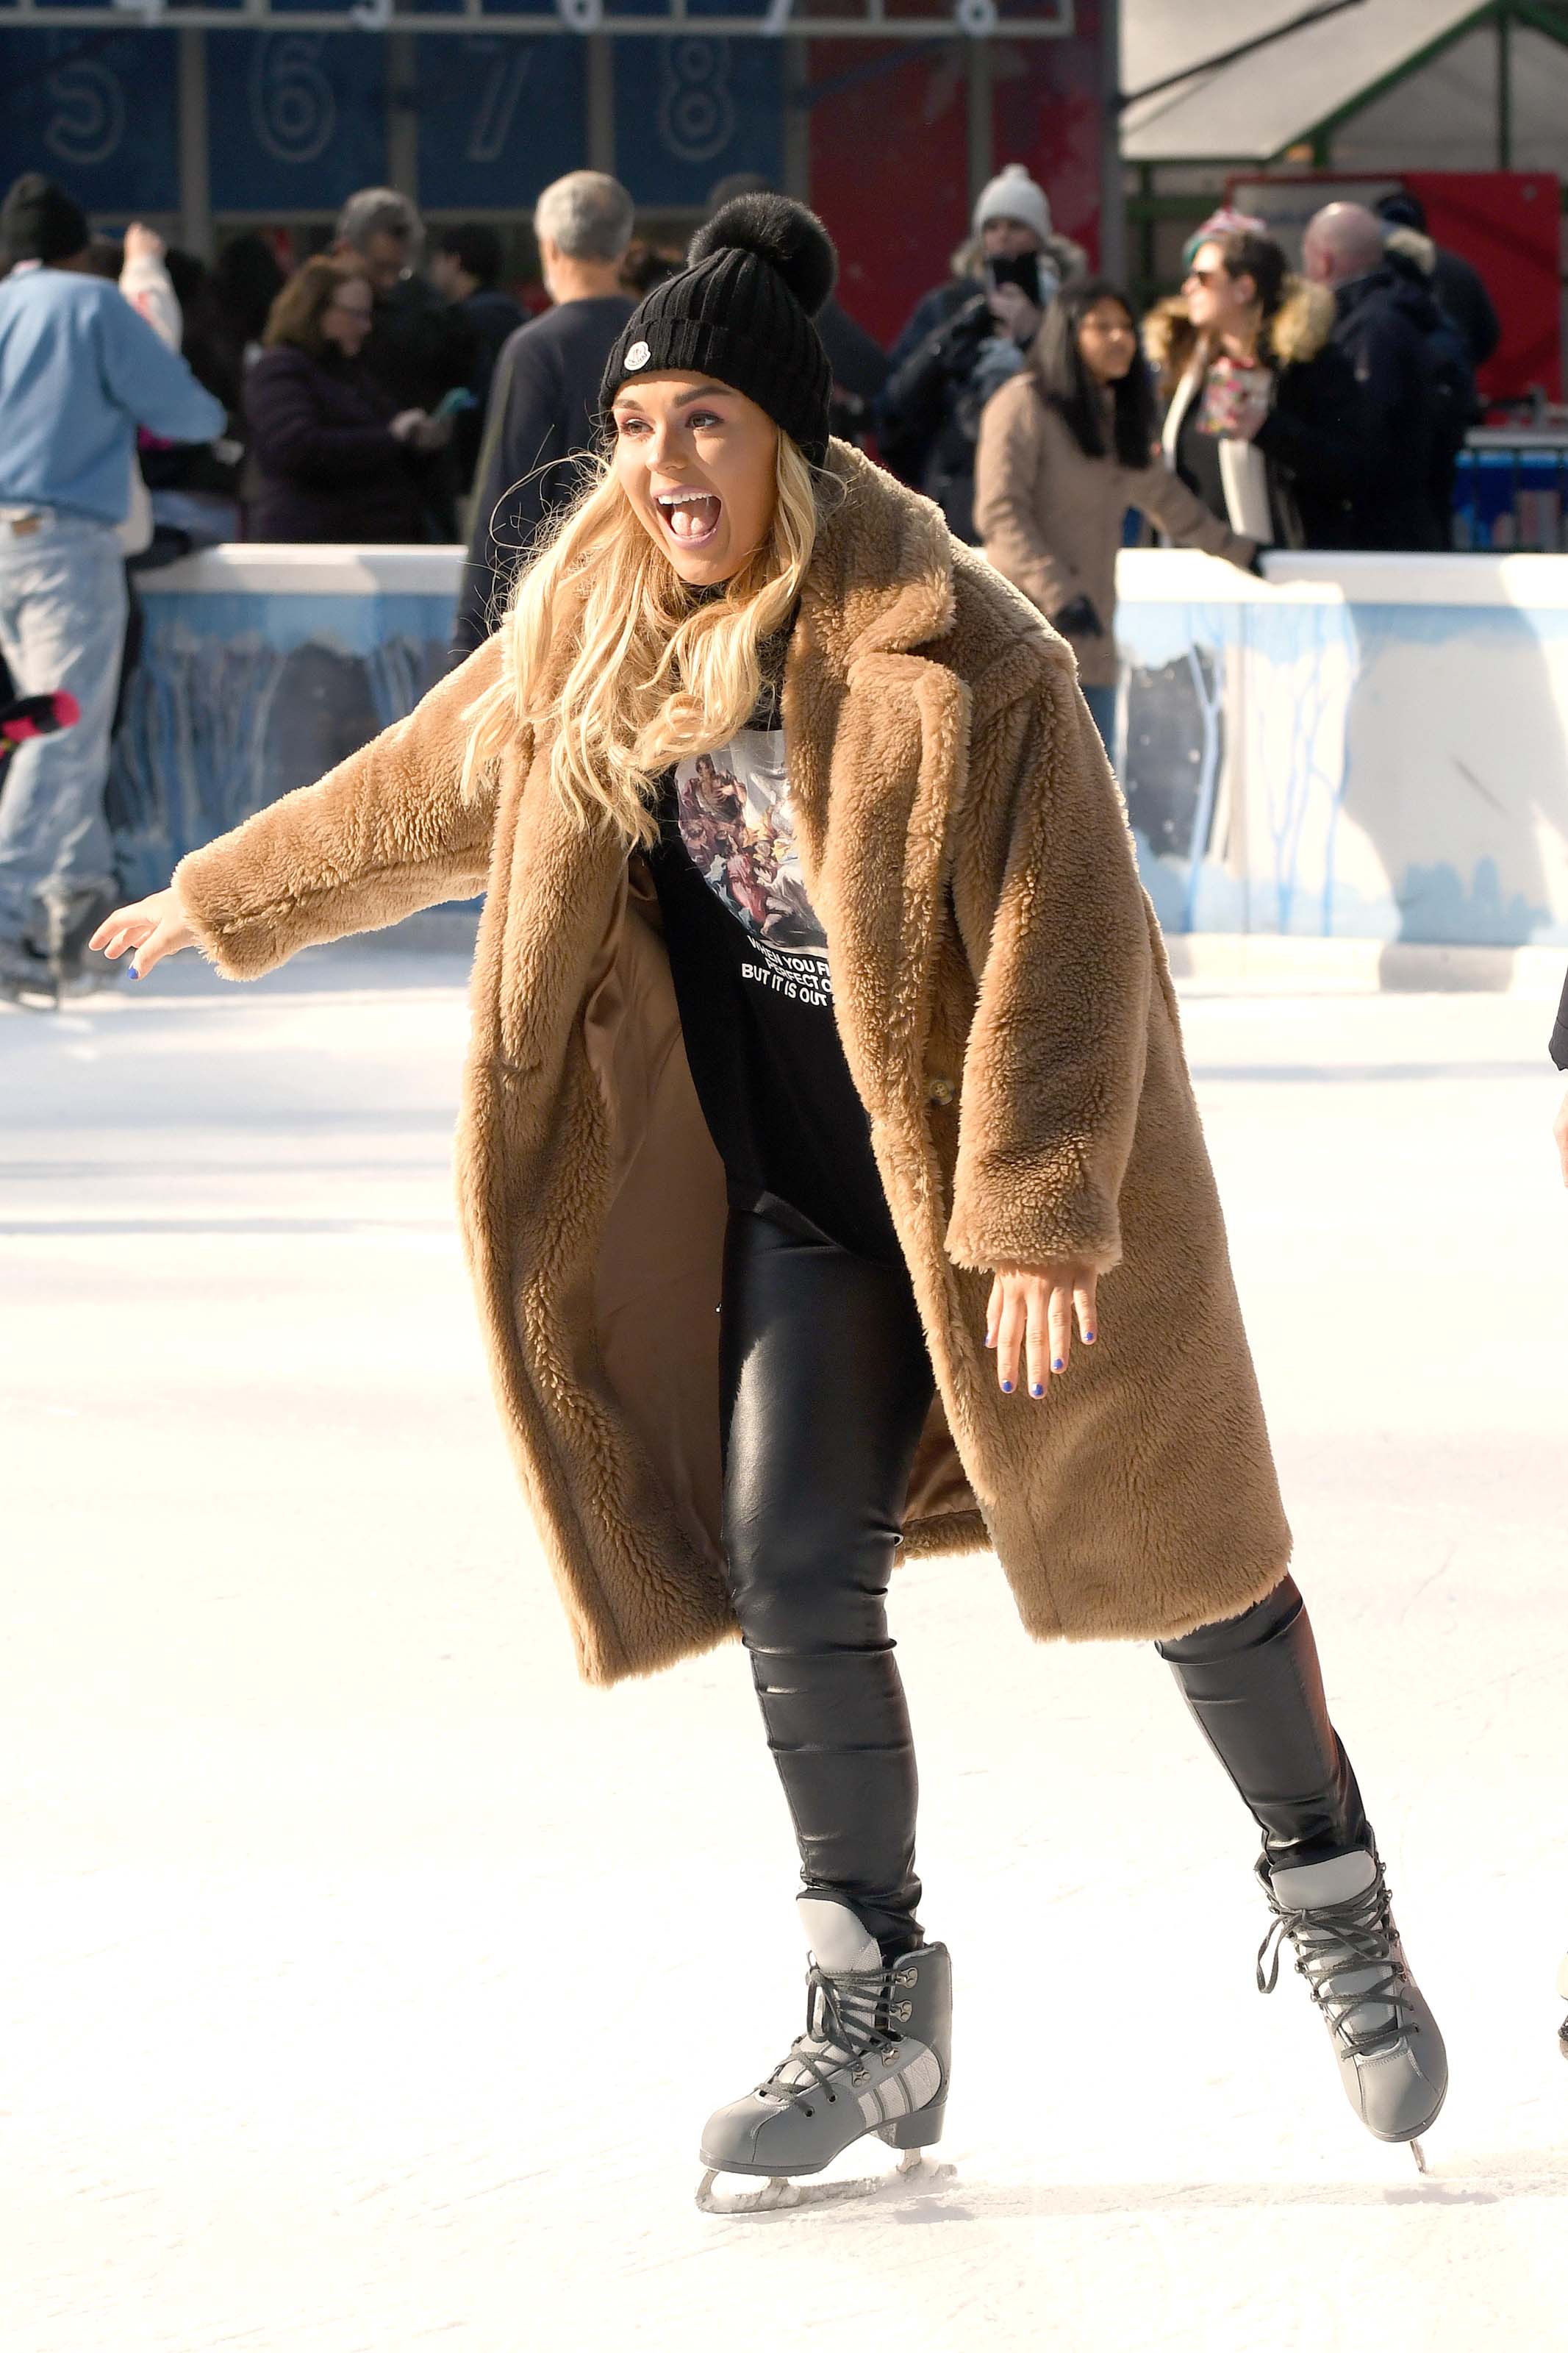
x,y
1013,195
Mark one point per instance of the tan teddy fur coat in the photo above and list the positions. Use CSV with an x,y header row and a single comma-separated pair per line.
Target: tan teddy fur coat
x,y
1007,1015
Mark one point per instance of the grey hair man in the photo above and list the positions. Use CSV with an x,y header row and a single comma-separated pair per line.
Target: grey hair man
x,y
421,348
1383,322
543,405
385,231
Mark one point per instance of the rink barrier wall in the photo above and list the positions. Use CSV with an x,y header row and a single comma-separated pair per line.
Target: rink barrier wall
x,y
1369,750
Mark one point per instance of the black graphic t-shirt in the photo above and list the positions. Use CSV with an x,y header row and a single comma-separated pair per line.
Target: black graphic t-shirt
x,y
748,959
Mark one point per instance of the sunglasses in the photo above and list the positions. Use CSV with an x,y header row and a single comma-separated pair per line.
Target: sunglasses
x,y
1204,276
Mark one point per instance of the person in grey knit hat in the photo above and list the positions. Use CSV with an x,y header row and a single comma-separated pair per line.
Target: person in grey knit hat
x,y
967,336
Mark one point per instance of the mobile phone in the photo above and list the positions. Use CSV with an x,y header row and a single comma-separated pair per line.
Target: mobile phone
x,y
453,403
1022,269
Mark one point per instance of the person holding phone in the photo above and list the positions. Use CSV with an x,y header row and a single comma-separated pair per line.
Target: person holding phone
x,y
333,456
966,338
1065,450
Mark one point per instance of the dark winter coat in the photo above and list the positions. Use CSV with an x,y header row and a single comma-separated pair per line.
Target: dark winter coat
x,y
1009,1023
1560,1032
543,411
324,464
1383,324
491,318
1462,293
1313,439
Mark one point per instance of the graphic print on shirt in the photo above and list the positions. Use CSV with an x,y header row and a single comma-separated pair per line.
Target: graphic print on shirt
x,y
737,826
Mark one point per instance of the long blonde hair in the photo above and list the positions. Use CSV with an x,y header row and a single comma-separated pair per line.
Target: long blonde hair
x,y
653,677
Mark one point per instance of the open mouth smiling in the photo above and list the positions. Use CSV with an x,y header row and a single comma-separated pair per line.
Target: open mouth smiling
x,y
690,517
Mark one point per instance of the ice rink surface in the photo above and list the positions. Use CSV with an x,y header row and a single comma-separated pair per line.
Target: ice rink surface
x,y
366,1980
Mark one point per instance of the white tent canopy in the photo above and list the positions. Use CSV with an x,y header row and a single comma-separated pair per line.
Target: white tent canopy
x,y
1253,109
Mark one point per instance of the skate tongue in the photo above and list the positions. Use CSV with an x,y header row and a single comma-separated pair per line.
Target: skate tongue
x,y
1336,1882
838,1941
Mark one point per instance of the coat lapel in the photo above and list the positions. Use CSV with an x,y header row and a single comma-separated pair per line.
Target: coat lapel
x,y
877,734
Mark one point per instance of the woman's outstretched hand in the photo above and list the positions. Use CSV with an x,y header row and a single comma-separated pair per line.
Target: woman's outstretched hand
x,y
1031,1313
154,927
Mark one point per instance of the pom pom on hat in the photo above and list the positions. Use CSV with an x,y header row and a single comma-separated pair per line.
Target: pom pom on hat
x,y
780,231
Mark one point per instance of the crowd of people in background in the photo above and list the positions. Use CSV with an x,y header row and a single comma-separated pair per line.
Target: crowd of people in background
x,y
392,388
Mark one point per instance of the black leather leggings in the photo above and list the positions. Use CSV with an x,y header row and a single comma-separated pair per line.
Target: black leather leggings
x,y
826,1384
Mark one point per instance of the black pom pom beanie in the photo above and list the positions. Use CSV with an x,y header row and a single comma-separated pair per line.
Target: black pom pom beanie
x,y
740,311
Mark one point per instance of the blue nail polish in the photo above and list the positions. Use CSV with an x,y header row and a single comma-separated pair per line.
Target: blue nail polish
x,y
1088,1339
1057,1365
1039,1389
1007,1386
132,971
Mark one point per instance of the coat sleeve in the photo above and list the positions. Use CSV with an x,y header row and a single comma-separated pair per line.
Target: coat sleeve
x,y
386,832
150,382
1011,497
1055,923
1559,1033
1182,515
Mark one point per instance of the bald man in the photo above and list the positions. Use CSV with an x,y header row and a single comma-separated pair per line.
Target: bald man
x,y
1382,323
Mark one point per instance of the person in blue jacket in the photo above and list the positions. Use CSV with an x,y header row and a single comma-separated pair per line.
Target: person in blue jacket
x,y
79,372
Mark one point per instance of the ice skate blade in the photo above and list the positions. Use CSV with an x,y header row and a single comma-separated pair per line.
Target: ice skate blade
x,y
1419,2154
778,2194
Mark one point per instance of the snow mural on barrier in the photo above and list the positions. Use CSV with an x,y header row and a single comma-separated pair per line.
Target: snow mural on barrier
x,y
1320,767
1363,747
240,697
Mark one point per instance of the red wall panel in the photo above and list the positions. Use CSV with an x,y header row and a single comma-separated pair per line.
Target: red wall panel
x,y
1047,114
890,171
889,153
1508,225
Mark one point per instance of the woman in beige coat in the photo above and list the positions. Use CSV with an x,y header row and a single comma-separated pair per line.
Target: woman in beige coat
x,y
815,985
1066,448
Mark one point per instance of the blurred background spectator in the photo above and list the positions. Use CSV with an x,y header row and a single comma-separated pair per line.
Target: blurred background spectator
x,y
967,336
422,347
1387,325
466,268
544,403
646,266
1458,285
79,372
1263,418
1064,448
333,455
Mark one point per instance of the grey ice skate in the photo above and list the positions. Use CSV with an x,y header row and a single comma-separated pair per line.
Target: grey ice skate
x,y
1563,1990
874,2059
1390,2057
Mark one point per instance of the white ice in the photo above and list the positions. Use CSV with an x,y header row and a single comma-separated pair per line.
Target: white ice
x,y
366,1980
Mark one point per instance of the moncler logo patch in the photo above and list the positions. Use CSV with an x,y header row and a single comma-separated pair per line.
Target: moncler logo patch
x,y
638,356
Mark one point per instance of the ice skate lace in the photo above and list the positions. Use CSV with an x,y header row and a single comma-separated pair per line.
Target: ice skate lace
x,y
845,2019
1330,1940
